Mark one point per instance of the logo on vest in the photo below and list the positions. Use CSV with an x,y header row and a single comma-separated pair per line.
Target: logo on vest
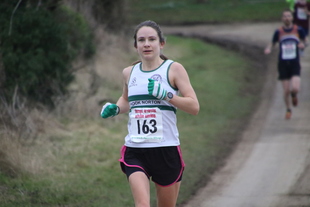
x,y
133,82
157,77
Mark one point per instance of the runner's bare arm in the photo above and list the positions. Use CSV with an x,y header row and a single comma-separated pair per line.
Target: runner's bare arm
x,y
122,102
188,101
269,48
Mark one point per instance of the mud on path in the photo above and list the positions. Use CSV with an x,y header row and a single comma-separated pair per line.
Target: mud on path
x,y
270,167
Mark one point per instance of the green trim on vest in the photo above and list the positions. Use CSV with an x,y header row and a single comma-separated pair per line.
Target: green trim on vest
x,y
141,97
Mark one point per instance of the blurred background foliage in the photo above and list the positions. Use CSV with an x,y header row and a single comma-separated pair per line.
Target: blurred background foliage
x,y
39,40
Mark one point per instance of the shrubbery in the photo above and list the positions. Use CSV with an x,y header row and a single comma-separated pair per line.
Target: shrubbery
x,y
38,44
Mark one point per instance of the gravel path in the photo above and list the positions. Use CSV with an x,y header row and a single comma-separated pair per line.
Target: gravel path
x,y
270,167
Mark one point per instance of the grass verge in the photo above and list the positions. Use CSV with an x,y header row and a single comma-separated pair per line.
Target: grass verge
x,y
225,89
207,11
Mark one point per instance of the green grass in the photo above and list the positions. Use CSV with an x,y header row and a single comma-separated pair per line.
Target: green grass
x,y
212,11
81,168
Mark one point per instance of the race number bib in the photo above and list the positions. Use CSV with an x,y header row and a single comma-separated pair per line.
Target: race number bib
x,y
288,50
146,125
301,13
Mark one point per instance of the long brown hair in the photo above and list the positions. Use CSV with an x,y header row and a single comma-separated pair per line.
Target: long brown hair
x,y
156,27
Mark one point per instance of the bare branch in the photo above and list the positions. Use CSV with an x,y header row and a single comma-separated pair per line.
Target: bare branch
x,y
11,21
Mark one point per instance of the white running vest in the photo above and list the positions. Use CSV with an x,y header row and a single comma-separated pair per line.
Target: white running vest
x,y
152,122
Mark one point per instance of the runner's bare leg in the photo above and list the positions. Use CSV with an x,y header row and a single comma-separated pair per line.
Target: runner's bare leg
x,y
167,196
286,93
295,84
140,188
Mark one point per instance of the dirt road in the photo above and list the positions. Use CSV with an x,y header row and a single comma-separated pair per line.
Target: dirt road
x,y
270,167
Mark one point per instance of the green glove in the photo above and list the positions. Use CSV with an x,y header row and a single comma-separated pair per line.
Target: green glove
x,y
109,110
155,89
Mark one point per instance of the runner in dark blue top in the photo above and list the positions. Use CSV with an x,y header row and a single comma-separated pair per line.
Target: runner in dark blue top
x,y
291,38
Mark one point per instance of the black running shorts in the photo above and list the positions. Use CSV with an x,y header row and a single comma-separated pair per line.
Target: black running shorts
x,y
288,68
164,165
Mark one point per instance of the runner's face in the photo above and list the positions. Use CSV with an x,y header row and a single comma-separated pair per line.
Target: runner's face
x,y
148,44
287,18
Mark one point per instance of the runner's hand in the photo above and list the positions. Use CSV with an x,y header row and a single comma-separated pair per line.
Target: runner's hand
x,y
155,89
109,110
267,51
301,45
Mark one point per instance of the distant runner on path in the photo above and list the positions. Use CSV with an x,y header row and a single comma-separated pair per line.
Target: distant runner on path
x,y
301,15
291,38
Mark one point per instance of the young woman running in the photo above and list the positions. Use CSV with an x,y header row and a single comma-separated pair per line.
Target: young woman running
x,y
154,88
